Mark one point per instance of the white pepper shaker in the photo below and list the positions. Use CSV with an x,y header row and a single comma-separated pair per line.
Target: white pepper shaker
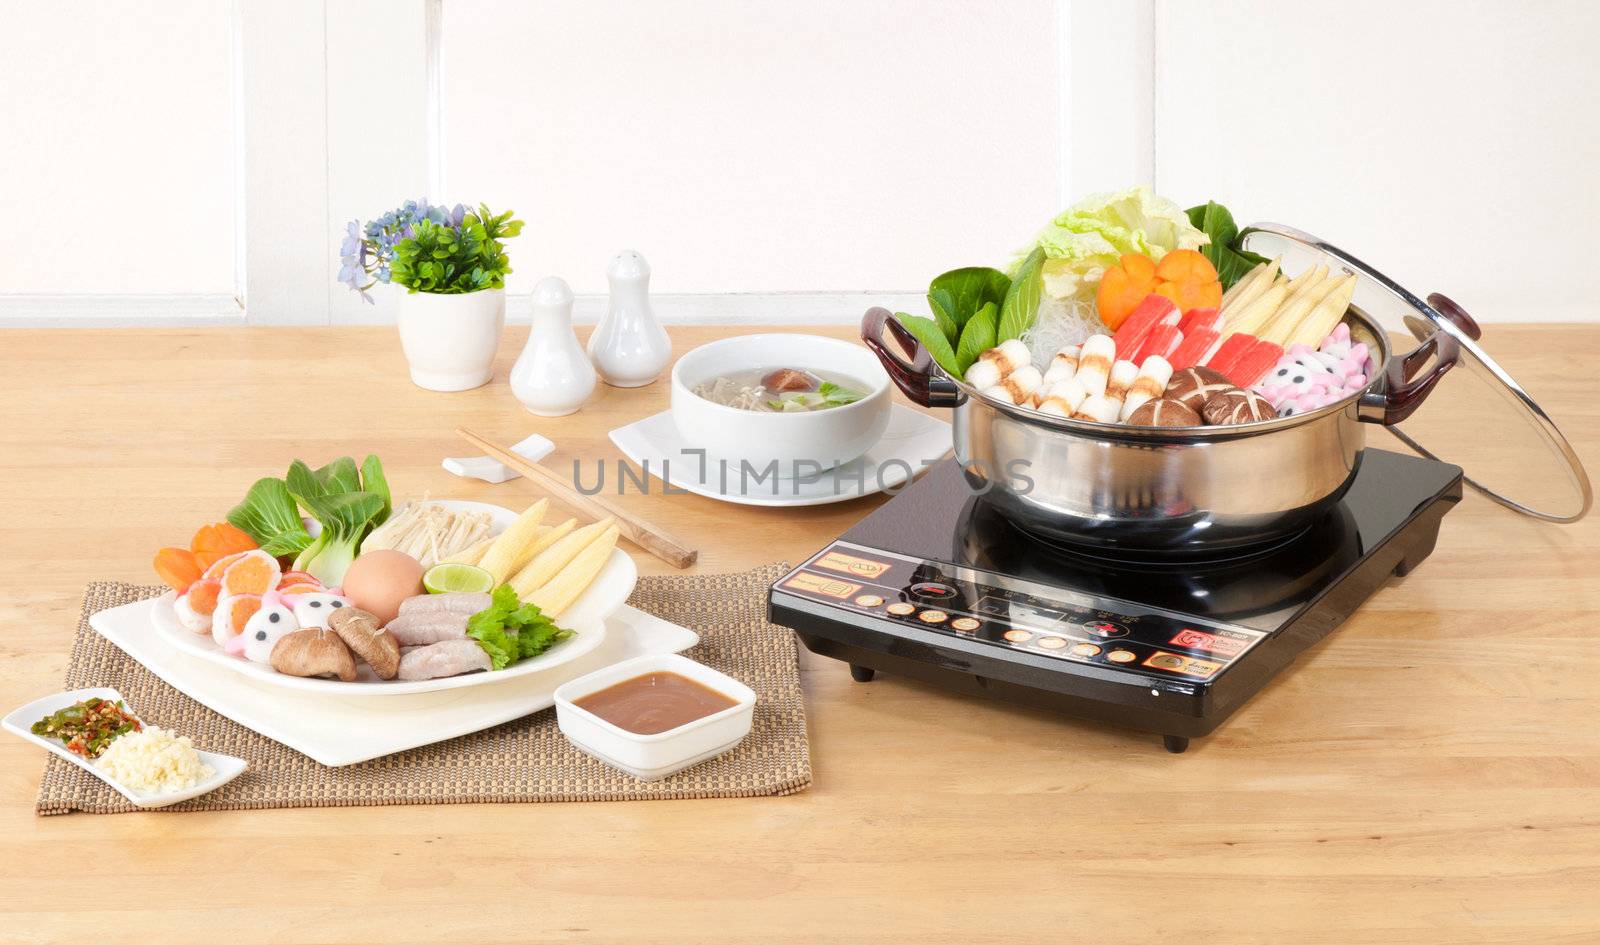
x,y
552,376
629,347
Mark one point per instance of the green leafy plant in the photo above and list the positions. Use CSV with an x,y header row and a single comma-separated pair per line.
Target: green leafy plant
x,y
428,249
449,260
974,309
1231,262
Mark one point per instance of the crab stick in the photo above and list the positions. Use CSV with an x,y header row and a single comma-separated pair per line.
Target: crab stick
x,y
1161,342
1236,344
1154,310
1194,347
1200,319
1250,366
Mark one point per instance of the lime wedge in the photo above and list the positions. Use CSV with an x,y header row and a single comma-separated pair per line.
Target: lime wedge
x,y
454,577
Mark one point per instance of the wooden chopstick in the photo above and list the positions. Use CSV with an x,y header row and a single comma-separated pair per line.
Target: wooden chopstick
x,y
633,528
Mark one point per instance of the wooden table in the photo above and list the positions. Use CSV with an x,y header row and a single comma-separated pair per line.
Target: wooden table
x,y
1430,773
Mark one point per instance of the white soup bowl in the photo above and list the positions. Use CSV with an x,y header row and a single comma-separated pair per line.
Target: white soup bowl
x,y
825,438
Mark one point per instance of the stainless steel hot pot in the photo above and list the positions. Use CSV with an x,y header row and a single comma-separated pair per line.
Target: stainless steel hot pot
x,y
1212,490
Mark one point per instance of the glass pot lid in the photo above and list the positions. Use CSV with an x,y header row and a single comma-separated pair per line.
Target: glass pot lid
x,y
1479,418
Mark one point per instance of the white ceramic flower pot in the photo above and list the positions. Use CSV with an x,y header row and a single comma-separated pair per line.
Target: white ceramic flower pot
x,y
450,340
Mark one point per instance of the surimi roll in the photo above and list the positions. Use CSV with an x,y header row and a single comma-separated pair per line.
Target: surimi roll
x,y
1022,384
1094,363
1062,367
1151,382
1096,407
1122,376
1063,398
994,365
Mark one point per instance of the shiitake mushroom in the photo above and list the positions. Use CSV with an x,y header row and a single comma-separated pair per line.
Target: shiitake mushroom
x,y
313,652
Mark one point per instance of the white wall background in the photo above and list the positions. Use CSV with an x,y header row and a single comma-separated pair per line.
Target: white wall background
x,y
116,149
775,161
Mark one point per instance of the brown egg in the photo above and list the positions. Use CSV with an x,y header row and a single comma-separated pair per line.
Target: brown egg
x,y
379,580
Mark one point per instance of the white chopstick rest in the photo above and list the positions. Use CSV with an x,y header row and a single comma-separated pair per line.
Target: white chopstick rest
x,y
1094,363
994,365
489,469
1062,367
1096,407
1150,384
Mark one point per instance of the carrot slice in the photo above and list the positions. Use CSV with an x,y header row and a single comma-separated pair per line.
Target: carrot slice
x,y
1186,265
218,540
1123,287
177,568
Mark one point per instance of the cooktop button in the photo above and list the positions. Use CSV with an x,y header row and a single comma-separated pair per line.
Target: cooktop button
x,y
1052,643
1105,628
933,590
901,609
965,624
869,600
1018,636
933,616
1085,649
1120,656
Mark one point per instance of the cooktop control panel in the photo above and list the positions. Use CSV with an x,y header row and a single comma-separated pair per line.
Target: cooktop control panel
x,y
1017,615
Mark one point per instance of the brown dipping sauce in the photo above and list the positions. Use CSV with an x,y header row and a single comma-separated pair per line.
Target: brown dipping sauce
x,y
654,703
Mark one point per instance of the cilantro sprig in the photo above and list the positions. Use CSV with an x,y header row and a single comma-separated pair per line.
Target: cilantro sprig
x,y
511,631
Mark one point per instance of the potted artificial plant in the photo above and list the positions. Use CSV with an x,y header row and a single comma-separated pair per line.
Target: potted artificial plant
x,y
453,266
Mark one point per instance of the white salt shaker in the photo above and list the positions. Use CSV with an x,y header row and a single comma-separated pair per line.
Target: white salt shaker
x,y
629,347
552,376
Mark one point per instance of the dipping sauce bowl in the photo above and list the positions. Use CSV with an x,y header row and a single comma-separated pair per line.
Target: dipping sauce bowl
x,y
660,753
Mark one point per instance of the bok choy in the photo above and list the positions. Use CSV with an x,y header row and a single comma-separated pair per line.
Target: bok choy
x,y
346,500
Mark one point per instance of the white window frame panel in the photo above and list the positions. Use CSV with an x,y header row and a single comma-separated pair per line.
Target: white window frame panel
x,y
337,117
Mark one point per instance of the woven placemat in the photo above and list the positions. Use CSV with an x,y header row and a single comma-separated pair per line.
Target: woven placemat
x,y
524,760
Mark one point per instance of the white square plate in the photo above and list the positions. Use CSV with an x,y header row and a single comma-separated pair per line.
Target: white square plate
x,y
20,723
340,730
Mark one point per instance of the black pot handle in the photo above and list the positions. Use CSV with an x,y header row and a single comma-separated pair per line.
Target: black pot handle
x,y
1404,389
919,378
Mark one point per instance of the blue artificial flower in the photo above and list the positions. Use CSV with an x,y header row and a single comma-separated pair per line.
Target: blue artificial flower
x,y
457,215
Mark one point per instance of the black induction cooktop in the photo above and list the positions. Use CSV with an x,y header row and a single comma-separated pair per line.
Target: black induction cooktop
x,y
935,585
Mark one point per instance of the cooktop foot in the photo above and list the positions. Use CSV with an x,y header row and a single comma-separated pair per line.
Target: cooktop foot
x,y
1177,744
862,673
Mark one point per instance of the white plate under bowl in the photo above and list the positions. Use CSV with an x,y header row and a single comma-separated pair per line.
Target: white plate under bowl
x,y
338,730
20,722
912,441
586,618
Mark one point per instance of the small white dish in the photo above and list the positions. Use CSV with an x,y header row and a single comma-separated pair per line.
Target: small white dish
x,y
652,757
823,438
20,722
586,618
911,442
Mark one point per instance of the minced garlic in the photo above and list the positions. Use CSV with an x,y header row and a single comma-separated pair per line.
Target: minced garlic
x,y
154,761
